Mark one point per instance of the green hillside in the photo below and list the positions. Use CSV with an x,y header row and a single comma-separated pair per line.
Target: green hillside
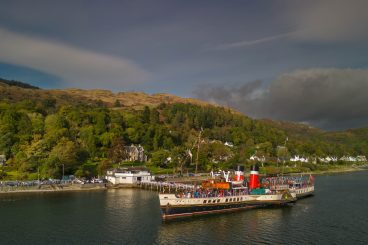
x,y
44,131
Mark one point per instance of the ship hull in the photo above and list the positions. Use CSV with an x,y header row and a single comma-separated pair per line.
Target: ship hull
x,y
304,192
172,207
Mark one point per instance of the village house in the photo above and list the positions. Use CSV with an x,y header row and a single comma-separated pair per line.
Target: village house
x,y
327,159
361,158
229,144
348,159
299,159
128,175
259,159
135,153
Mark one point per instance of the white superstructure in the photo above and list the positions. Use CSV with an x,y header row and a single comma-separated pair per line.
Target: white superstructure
x,y
128,176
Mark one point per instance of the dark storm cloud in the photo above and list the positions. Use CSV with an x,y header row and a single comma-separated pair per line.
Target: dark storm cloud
x,y
332,20
174,46
325,98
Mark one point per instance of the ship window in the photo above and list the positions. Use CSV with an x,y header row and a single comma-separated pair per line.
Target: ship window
x,y
218,200
241,199
237,199
214,201
204,201
231,199
226,200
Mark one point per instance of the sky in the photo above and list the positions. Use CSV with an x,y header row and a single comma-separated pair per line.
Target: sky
x,y
301,61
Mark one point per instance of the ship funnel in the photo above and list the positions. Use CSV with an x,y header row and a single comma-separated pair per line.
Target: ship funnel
x,y
253,177
239,173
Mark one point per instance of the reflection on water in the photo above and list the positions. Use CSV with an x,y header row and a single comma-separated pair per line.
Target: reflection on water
x,y
251,225
336,214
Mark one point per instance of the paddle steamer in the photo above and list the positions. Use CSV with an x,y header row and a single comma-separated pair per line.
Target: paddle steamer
x,y
226,196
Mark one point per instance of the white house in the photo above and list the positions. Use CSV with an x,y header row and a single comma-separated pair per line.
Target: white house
x,y
299,159
348,159
128,176
256,158
361,158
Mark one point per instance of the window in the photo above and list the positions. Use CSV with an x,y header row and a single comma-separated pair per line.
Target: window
x,y
213,201
218,200
204,201
226,200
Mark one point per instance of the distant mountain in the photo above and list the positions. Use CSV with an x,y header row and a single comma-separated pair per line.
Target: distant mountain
x,y
16,91
130,99
17,84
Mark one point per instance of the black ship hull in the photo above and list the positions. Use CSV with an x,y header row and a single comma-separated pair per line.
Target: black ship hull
x,y
170,212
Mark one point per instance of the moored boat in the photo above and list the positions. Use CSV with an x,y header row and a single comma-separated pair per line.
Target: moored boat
x,y
221,197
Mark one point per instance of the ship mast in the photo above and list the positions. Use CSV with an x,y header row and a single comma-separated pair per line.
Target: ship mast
x,y
199,143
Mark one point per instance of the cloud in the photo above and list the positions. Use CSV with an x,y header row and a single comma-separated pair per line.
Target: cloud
x,y
242,44
331,20
76,66
326,98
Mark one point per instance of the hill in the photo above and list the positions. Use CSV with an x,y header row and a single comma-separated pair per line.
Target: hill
x,y
14,91
84,131
17,83
130,99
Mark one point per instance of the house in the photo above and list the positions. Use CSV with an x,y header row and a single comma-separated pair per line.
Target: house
x,y
229,144
256,158
135,153
324,160
299,159
128,175
2,160
348,159
361,158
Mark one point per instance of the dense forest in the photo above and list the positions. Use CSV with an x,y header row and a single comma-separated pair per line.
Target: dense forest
x,y
43,135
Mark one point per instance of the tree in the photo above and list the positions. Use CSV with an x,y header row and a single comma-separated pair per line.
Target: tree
x,y
117,152
146,115
117,103
65,154
88,139
103,166
159,158
154,116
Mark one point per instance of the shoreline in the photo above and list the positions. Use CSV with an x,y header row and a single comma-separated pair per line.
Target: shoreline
x,y
49,189
337,171
96,187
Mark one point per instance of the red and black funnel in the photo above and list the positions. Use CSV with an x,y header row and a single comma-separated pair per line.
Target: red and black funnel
x,y
239,173
254,177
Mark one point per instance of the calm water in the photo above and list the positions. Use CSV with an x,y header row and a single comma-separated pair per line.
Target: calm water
x,y
337,214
